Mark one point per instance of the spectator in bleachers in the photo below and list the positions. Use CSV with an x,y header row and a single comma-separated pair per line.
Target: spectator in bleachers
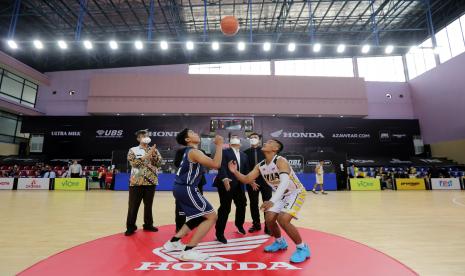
x,y
434,172
75,169
352,171
101,176
412,172
50,173
14,172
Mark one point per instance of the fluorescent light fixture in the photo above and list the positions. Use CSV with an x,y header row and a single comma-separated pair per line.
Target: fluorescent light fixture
x,y
389,49
164,45
62,44
113,45
190,45
266,46
291,47
12,44
365,49
241,46
138,44
341,48
87,44
38,44
215,46
316,47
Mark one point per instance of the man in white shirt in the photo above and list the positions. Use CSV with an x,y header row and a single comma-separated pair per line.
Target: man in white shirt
x,y
75,169
230,189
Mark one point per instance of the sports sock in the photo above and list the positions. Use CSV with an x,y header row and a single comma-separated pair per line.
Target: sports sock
x,y
300,245
280,239
174,239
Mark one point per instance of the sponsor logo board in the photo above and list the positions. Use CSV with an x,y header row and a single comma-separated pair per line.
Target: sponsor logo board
x,y
65,133
365,184
33,183
70,184
294,134
6,183
109,133
445,184
410,184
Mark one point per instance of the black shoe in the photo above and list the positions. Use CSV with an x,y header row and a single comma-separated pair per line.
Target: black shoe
x,y
151,229
221,239
314,192
129,232
267,231
241,230
255,228
324,193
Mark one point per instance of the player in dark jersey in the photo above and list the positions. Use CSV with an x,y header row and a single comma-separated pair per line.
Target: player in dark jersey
x,y
199,212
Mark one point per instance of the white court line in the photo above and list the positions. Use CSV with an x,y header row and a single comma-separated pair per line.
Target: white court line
x,y
455,201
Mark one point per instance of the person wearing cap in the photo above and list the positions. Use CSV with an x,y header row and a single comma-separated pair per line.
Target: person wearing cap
x,y
145,161
230,189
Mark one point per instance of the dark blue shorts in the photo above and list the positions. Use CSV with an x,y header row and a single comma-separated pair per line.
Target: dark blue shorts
x,y
191,202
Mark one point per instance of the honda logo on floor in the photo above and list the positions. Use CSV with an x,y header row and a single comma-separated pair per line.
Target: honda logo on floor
x,y
289,134
109,133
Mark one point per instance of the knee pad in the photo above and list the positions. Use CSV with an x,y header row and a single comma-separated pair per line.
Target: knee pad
x,y
193,223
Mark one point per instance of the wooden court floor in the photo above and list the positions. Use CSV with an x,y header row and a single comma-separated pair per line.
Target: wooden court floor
x,y
423,229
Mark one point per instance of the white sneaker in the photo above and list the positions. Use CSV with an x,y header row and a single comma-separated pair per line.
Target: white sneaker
x,y
174,246
193,255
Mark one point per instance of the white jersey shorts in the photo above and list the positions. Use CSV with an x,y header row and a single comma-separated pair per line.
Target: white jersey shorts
x,y
290,203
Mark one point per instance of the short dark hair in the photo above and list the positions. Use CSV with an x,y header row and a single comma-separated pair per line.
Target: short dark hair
x,y
181,137
254,133
142,131
321,160
281,146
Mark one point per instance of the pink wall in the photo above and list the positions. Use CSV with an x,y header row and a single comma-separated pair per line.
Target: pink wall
x,y
381,107
144,93
439,101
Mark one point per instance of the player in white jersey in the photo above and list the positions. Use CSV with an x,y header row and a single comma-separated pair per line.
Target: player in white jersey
x,y
319,173
286,202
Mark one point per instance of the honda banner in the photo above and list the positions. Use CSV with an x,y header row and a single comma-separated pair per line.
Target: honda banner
x,y
33,183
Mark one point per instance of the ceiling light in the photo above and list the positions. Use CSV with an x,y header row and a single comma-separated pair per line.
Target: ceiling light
x,y
62,44
365,49
241,46
316,47
12,44
190,45
87,44
389,49
341,48
266,46
291,47
138,44
164,45
215,46
38,44
113,45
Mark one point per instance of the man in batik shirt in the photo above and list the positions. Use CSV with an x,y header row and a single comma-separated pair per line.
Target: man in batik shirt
x,y
145,161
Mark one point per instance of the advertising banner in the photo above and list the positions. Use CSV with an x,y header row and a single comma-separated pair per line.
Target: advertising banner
x,y
365,184
6,183
445,184
410,184
33,183
70,184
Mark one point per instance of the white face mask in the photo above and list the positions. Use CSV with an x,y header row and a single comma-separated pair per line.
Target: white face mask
x,y
146,140
235,141
254,141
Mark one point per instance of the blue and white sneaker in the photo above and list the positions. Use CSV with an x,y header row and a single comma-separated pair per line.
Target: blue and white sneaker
x,y
301,254
276,246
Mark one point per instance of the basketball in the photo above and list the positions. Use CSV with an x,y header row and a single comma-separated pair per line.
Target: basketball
x,y
229,25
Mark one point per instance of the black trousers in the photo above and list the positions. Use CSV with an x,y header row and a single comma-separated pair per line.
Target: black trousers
x,y
75,175
266,192
180,218
102,182
237,195
136,195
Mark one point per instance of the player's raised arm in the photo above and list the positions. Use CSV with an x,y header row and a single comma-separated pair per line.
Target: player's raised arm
x,y
197,156
284,170
246,179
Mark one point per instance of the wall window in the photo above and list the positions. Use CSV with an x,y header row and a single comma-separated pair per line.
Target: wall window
x,y
454,33
10,128
443,49
420,59
381,68
341,67
17,89
233,68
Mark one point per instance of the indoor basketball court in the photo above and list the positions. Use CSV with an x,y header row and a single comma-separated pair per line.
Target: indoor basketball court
x,y
232,137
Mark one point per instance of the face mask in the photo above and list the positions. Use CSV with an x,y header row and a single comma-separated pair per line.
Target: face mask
x,y
254,141
235,141
146,140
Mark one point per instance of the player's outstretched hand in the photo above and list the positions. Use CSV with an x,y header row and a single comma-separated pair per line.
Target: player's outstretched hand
x,y
266,205
232,165
219,140
255,186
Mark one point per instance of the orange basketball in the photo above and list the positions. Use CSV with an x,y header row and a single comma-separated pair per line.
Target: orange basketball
x,y
229,25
